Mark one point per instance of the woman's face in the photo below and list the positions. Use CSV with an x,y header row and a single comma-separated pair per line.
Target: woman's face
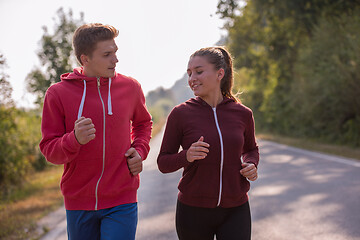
x,y
203,79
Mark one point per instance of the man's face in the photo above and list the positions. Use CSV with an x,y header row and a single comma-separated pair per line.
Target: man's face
x,y
103,60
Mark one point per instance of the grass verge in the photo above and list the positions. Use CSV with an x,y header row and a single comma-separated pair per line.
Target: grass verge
x,y
157,127
20,211
313,145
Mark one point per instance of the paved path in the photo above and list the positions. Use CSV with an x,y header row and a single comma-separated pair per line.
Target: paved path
x,y
299,195
305,195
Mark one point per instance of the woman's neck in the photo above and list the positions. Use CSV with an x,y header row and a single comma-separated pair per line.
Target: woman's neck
x,y
213,100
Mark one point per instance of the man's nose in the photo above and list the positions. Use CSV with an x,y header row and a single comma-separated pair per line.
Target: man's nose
x,y
115,59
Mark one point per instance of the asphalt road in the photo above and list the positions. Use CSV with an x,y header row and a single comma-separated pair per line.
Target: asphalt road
x,y
299,195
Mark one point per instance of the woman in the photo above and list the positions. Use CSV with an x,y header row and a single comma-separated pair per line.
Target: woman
x,y
219,156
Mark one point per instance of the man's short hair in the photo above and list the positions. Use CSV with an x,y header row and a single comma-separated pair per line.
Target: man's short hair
x,y
88,35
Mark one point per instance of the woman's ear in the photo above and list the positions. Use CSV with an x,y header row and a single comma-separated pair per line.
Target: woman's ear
x,y
220,74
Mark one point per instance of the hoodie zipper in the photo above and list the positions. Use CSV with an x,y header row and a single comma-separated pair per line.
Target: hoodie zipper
x,y
222,156
103,158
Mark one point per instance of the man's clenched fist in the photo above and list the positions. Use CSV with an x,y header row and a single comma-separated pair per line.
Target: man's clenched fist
x,y
84,130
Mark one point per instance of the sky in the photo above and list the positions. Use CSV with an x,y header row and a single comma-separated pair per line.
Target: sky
x,y
156,37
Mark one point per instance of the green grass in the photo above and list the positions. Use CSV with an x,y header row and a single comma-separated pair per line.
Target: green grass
x,y
21,210
157,127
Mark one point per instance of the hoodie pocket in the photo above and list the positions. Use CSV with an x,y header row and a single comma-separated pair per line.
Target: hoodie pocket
x,y
202,180
234,184
81,177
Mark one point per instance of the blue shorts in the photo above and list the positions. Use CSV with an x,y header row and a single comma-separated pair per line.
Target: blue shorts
x,y
112,223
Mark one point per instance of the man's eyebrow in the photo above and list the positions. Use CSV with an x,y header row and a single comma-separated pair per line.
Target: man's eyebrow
x,y
110,51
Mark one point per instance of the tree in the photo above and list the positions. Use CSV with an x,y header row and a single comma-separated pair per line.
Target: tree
x,y
227,8
329,78
11,168
5,87
55,54
271,40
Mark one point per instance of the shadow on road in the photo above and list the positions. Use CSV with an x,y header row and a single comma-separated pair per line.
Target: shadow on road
x,y
304,193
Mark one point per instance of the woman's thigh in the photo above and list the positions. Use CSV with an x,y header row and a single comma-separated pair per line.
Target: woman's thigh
x,y
237,224
193,223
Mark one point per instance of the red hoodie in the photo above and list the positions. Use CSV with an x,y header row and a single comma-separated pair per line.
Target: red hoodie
x,y
96,175
216,179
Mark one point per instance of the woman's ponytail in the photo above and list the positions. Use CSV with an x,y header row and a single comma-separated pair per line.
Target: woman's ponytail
x,y
220,58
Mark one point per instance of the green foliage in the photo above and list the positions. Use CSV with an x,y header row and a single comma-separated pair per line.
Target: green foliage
x,y
55,54
5,87
160,102
12,167
19,138
161,109
297,65
20,129
227,8
329,74
29,122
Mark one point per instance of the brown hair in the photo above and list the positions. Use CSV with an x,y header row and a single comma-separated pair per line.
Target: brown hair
x,y
220,58
88,35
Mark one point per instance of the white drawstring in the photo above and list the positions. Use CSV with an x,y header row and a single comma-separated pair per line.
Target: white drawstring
x,y
109,100
82,101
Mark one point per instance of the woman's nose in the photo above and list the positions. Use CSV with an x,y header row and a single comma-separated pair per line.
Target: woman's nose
x,y
192,78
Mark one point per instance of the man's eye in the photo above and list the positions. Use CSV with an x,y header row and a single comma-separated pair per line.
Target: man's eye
x,y
199,72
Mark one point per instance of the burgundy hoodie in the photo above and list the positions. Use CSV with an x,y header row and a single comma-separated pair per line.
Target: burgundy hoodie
x,y
215,180
96,175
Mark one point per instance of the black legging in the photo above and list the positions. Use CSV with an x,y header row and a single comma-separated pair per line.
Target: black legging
x,y
194,223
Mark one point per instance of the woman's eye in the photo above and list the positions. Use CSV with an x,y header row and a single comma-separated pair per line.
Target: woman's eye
x,y
199,72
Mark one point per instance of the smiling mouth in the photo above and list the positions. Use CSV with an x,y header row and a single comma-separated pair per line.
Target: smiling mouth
x,y
194,86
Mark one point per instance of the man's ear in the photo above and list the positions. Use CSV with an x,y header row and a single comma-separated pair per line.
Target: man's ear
x,y
84,59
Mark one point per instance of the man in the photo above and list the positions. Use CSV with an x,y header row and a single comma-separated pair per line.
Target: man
x,y
95,122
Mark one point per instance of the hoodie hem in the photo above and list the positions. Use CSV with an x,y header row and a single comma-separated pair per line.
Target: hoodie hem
x,y
212,202
88,204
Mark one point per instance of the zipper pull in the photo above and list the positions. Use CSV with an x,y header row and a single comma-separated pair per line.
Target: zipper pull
x,y
98,82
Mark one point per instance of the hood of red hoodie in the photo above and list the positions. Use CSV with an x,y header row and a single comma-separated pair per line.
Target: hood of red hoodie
x,y
77,74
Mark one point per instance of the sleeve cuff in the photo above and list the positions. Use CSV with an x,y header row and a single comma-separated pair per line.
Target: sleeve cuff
x,y
71,143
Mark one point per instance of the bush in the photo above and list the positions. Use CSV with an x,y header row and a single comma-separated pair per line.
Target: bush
x,y
328,77
19,138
